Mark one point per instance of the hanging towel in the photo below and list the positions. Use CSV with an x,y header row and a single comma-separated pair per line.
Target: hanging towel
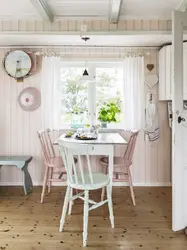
x,y
151,118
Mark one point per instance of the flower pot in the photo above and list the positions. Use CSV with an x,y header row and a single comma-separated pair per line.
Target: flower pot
x,y
104,125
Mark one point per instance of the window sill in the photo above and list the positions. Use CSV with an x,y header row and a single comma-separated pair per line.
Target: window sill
x,y
109,128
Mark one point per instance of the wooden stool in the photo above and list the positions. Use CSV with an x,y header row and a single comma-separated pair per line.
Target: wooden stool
x,y
20,162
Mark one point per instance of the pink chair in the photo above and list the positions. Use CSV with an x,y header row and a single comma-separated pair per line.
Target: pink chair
x,y
53,164
122,166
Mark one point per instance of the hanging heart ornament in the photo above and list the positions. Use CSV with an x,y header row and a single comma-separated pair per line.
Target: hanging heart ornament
x,y
150,67
151,80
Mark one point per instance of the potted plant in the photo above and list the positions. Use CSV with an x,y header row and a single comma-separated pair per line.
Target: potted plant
x,y
108,113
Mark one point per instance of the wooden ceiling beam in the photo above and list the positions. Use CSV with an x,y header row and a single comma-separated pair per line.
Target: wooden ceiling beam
x,y
114,11
43,9
182,6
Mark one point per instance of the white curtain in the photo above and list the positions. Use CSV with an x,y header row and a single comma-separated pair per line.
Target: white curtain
x,y
133,92
50,93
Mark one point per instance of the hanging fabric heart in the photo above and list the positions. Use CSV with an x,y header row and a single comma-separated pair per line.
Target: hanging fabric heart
x,y
150,67
151,80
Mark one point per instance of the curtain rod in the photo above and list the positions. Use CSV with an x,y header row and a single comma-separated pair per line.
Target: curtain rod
x,y
75,46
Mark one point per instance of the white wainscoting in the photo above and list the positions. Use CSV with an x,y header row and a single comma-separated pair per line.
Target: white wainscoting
x,y
152,163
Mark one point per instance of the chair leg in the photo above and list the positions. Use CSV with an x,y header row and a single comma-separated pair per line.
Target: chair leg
x,y
44,183
110,206
103,194
131,186
65,206
103,189
50,177
85,222
71,202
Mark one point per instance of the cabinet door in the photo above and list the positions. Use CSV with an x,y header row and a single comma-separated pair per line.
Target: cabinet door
x,y
165,73
162,74
185,74
165,83
168,80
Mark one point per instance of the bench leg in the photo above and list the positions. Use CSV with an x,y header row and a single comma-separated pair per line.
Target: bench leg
x,y
27,181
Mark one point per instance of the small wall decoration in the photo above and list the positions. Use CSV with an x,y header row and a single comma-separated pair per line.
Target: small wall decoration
x,y
151,80
150,67
29,99
17,64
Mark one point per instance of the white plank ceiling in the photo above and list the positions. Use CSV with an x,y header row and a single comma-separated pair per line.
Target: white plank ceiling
x,y
94,9
17,9
149,9
132,15
130,9
80,8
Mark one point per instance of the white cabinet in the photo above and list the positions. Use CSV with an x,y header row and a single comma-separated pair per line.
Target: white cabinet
x,y
165,73
185,72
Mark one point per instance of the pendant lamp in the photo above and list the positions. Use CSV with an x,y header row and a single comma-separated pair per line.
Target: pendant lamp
x,y
85,74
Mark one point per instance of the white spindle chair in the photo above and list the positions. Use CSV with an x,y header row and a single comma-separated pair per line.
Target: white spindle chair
x,y
83,178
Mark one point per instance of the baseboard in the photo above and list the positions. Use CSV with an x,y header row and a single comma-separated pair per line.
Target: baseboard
x,y
115,184
13,183
139,184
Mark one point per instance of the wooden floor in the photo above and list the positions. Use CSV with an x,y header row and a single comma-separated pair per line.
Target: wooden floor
x,y
27,224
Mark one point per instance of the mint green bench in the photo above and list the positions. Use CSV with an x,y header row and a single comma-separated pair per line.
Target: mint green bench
x,y
20,162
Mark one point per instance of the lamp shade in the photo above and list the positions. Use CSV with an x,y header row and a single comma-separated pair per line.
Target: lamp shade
x,y
85,73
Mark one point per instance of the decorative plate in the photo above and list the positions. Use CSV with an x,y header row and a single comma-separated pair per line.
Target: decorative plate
x,y
151,80
85,137
29,99
17,64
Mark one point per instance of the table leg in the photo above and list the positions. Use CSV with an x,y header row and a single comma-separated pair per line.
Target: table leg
x,y
27,182
111,165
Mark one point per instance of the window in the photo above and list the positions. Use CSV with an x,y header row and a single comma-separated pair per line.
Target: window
x,y
82,101
66,100
109,88
74,99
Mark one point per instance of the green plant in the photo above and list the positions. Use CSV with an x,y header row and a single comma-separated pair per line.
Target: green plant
x,y
108,112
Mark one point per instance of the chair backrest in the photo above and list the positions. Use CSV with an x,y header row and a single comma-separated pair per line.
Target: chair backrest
x,y
82,152
130,148
46,144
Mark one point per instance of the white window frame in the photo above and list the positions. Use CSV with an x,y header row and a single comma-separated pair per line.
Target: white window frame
x,y
91,67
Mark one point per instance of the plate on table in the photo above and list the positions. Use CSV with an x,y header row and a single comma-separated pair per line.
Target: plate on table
x,y
85,137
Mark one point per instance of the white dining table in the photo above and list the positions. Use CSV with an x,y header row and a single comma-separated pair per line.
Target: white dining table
x,y
102,139
103,145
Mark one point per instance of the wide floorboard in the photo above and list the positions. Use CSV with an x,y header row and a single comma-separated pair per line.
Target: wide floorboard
x,y
25,224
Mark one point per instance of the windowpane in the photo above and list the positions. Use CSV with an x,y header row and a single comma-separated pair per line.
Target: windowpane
x,y
74,97
109,90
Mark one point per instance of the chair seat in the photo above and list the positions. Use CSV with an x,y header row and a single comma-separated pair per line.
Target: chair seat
x,y
118,162
100,180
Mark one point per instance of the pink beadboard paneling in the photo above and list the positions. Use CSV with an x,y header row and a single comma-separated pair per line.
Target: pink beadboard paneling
x,y
151,163
139,163
2,106
14,149
74,25
18,127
